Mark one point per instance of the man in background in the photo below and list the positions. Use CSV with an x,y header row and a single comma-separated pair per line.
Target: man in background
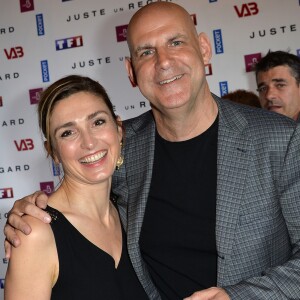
x,y
278,83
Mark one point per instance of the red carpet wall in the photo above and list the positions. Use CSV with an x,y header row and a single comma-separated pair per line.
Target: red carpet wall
x,y
42,41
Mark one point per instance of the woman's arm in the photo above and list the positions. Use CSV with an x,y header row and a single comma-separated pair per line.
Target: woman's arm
x,y
29,205
33,266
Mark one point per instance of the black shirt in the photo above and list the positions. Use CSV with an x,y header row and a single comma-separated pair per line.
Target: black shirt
x,y
86,271
178,233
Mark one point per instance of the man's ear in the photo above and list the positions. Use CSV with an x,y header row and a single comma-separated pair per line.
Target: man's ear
x,y
130,71
205,47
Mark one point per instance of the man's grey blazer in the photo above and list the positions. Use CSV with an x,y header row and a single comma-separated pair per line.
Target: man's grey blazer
x,y
258,200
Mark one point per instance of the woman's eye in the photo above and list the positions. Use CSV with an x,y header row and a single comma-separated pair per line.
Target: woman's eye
x,y
66,133
99,122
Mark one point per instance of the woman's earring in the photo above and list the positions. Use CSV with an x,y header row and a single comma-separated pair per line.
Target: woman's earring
x,y
120,159
119,162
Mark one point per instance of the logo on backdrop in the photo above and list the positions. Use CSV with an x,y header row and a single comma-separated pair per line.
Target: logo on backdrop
x,y
12,122
5,260
55,169
47,187
194,18
86,15
9,76
68,43
208,70
92,62
26,5
247,9
9,29
273,31
251,60
11,169
35,95
142,104
5,215
40,24
223,88
14,52
218,41
24,144
45,71
6,193
121,32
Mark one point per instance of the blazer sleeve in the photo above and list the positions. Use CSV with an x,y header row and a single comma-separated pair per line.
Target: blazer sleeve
x,y
282,281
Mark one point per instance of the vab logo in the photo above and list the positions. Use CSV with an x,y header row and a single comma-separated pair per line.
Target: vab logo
x,y
247,9
71,42
14,52
26,5
24,145
6,193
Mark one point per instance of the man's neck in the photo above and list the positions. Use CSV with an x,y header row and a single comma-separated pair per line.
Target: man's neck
x,y
181,126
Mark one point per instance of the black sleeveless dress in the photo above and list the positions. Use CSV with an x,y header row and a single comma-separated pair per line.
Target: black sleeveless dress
x,y
87,272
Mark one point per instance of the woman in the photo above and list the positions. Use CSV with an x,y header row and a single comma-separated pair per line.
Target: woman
x,y
82,253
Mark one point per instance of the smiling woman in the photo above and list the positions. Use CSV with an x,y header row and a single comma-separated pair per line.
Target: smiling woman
x,y
83,135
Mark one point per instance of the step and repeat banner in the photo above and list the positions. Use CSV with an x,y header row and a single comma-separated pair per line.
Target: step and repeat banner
x,y
42,40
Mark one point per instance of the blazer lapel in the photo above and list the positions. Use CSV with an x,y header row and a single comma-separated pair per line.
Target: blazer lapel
x,y
140,156
234,155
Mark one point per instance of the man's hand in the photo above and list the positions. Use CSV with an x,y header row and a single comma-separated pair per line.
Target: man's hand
x,y
213,293
29,205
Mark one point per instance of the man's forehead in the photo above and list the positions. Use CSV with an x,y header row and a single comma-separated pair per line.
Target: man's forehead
x,y
276,73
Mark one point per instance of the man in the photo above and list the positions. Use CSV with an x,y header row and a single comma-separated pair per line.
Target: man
x,y
209,189
278,83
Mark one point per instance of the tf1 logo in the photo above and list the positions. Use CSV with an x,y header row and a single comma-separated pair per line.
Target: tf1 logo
x,y
6,193
68,43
